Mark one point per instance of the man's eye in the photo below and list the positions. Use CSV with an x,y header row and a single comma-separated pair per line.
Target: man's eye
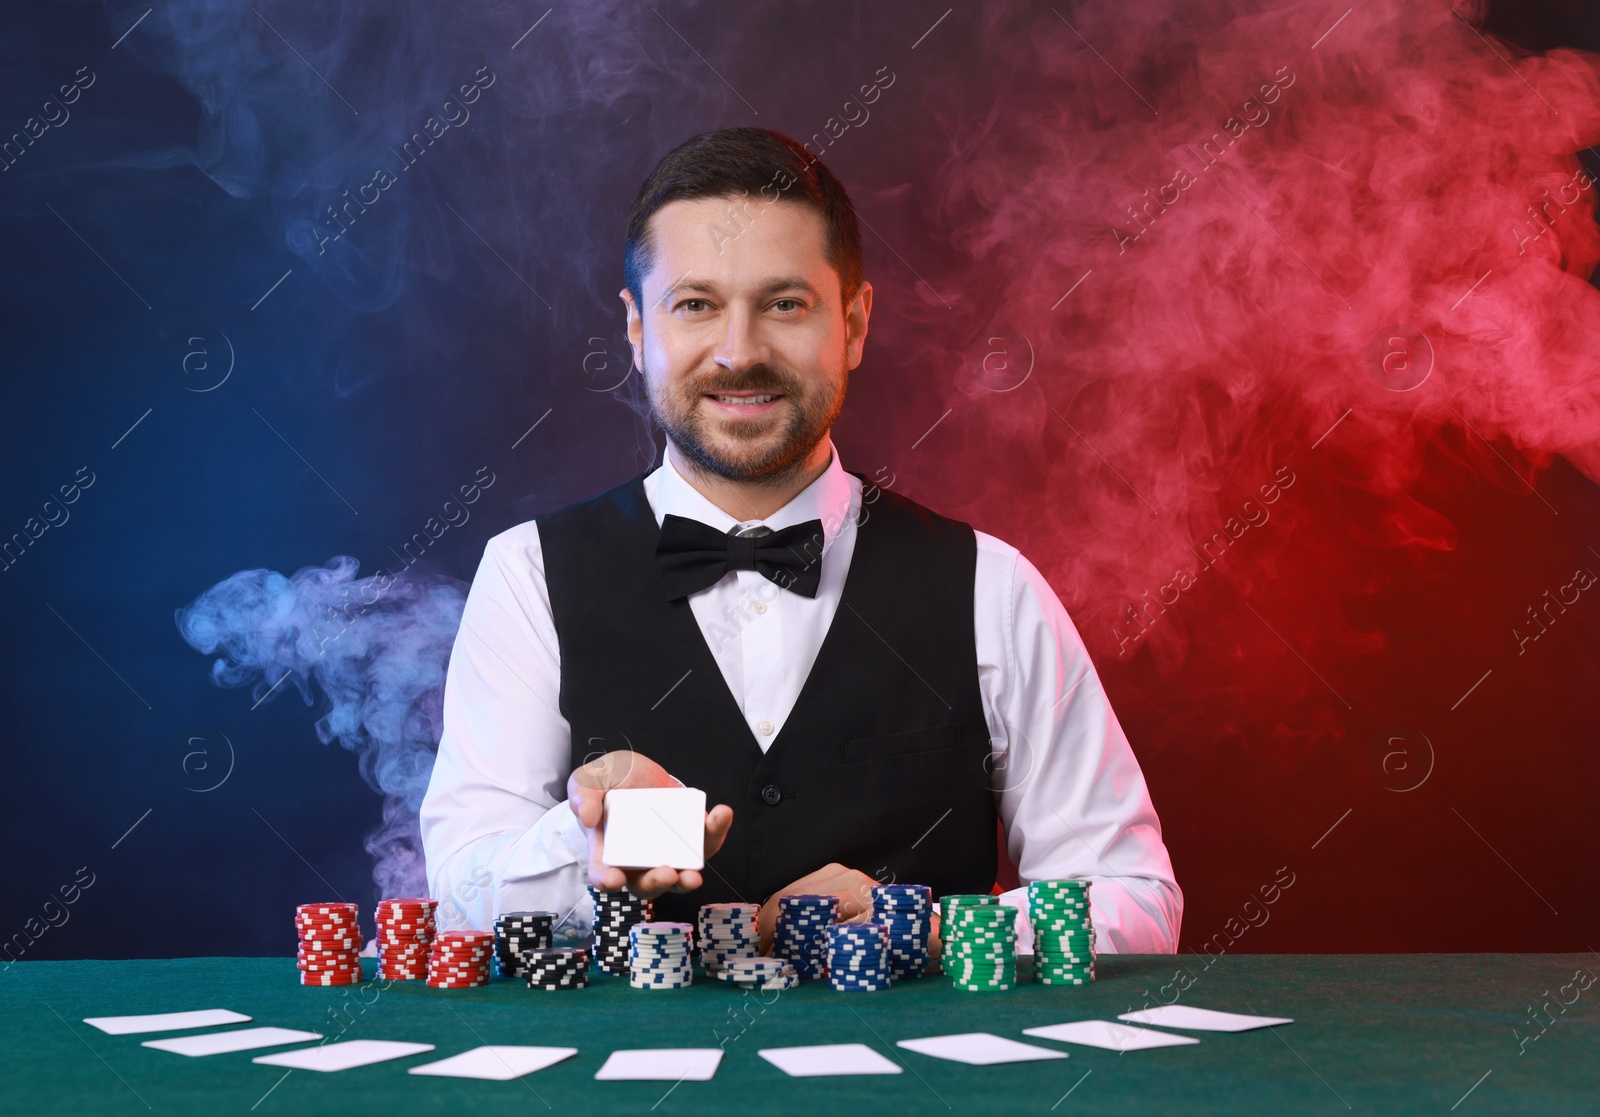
x,y
793,305
691,304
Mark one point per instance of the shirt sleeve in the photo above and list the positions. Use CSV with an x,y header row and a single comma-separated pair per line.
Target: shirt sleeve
x,y
497,833
1069,789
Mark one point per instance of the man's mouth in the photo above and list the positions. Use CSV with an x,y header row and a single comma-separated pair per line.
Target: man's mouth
x,y
744,405
744,399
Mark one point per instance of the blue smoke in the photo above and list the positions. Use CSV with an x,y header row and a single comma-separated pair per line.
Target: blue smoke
x,y
377,647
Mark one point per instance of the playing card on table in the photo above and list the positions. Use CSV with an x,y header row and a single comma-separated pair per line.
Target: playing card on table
x,y
829,1059
1201,1019
164,1021
497,1064
670,1064
1109,1035
980,1049
223,1043
343,1056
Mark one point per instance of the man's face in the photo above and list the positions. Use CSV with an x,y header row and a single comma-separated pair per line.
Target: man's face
x,y
742,340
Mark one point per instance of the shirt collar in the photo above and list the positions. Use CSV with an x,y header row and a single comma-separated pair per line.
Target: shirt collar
x,y
828,499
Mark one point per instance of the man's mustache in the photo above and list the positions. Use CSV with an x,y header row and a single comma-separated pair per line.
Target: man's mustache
x,y
765,382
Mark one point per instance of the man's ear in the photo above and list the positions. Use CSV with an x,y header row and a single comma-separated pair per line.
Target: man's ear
x,y
855,324
635,328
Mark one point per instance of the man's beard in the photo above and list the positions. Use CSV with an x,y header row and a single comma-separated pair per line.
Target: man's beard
x,y
811,412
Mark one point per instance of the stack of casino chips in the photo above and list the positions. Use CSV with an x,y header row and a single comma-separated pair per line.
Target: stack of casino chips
x,y
405,938
906,911
658,956
725,932
759,973
801,935
615,913
949,904
330,944
980,951
858,957
555,968
518,932
1063,933
460,960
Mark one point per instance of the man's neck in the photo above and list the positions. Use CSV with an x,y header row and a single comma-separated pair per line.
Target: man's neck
x,y
752,500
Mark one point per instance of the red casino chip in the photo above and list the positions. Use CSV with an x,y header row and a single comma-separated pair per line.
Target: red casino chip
x,y
331,955
342,907
327,916
330,979
328,959
320,934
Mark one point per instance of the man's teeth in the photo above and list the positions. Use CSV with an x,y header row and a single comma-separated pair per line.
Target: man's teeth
x,y
744,399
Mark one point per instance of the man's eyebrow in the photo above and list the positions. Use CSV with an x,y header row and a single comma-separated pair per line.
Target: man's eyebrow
x,y
771,287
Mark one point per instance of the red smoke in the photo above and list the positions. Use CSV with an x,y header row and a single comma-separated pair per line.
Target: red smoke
x,y
1259,237
1249,289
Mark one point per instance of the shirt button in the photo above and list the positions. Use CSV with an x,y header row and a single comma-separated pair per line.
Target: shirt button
x,y
771,795
758,607
764,728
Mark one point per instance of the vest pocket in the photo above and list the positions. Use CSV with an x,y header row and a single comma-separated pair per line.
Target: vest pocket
x,y
923,739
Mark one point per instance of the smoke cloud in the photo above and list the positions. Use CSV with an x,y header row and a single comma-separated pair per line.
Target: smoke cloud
x,y
1227,233
377,648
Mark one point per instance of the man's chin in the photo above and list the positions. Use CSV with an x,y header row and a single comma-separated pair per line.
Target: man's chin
x,y
742,459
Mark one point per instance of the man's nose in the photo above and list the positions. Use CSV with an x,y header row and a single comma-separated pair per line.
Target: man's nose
x,y
742,343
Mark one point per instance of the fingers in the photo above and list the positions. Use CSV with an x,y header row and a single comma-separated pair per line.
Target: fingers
x,y
589,806
600,874
605,877
719,820
647,884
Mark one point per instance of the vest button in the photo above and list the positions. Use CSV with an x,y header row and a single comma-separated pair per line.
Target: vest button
x,y
771,795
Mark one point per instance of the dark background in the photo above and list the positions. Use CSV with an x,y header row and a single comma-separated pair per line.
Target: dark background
x,y
193,167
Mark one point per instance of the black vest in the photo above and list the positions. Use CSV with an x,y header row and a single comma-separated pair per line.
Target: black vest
x,y
882,765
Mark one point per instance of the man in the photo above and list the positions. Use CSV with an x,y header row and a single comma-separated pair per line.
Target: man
x,y
860,686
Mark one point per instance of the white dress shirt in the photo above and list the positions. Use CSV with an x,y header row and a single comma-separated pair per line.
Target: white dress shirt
x,y
499,836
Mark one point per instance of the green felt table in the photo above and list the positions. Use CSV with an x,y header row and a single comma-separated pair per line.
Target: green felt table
x,y
1372,1033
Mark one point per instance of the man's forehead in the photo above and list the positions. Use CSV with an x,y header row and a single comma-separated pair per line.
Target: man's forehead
x,y
717,244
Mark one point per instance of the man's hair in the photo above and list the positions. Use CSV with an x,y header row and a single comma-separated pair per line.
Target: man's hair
x,y
765,165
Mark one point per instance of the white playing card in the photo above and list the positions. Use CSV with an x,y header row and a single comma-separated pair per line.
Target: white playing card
x,y
1109,1035
1201,1019
343,1056
165,1021
981,1049
221,1043
498,1064
650,826
829,1058
670,1064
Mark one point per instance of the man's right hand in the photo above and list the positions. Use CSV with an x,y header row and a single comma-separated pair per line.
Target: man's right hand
x,y
853,887
586,793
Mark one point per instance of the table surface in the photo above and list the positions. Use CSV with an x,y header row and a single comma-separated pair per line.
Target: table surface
x,y
1393,1033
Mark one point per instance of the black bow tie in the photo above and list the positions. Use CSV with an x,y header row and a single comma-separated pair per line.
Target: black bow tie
x,y
693,555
